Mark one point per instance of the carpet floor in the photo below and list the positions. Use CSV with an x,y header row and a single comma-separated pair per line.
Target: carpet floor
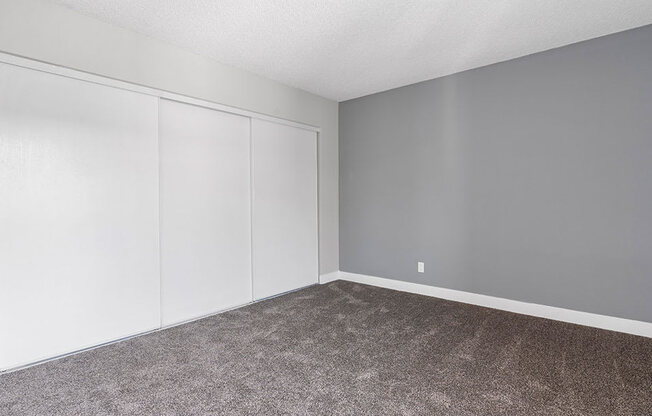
x,y
348,349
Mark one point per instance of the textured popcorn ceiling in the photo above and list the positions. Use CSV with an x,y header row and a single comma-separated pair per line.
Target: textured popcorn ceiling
x,y
343,49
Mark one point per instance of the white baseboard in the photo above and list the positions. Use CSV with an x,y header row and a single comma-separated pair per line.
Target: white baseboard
x,y
610,323
329,277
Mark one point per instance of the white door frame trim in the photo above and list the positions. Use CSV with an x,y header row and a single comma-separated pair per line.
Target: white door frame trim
x,y
129,86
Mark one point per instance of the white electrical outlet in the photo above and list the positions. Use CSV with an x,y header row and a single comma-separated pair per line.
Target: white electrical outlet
x,y
421,267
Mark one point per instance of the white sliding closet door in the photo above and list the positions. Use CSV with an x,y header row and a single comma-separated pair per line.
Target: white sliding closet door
x,y
205,211
284,167
79,262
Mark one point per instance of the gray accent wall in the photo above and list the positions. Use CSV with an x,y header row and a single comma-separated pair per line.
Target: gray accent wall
x,y
529,179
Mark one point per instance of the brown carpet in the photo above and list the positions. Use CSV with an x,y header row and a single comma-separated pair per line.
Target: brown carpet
x,y
348,349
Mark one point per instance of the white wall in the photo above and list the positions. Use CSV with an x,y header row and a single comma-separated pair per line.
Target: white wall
x,y
52,33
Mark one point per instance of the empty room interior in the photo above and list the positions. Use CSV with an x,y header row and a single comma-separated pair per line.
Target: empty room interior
x,y
346,207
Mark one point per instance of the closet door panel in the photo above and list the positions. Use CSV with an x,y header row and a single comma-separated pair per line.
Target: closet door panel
x,y
205,211
284,166
79,262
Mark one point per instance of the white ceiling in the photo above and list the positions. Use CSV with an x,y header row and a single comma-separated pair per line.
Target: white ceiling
x,y
342,49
